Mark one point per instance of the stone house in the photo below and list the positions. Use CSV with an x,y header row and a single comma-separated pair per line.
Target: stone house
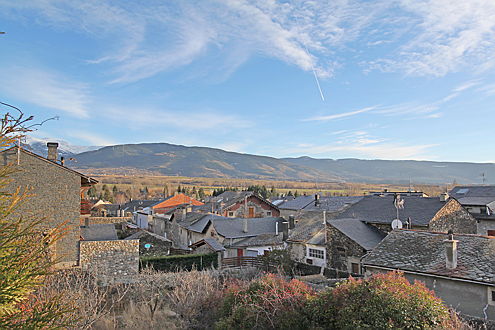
x,y
306,242
347,241
240,204
480,202
57,196
423,213
227,231
459,268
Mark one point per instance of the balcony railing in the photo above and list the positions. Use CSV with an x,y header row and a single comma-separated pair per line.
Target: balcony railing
x,y
85,207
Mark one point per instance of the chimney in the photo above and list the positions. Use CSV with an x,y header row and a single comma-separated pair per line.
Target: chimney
x,y
245,226
324,217
444,197
184,213
86,222
285,230
292,222
276,228
52,151
317,199
451,251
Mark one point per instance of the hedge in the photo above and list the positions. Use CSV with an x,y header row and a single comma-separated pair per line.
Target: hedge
x,y
181,262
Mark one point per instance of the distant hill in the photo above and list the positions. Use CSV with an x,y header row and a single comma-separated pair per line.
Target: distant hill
x,y
170,159
38,146
400,171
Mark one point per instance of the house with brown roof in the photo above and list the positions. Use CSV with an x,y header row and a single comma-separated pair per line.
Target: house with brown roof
x,y
240,204
57,196
459,268
171,202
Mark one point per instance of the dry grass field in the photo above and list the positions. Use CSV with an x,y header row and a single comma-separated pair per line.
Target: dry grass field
x,y
155,185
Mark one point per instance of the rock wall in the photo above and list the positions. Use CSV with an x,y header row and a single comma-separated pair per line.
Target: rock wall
x,y
100,220
54,197
453,216
113,261
341,249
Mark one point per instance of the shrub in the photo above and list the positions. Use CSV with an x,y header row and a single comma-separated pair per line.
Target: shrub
x,y
384,301
269,302
181,262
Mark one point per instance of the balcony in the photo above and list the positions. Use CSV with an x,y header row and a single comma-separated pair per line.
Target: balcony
x,y
85,207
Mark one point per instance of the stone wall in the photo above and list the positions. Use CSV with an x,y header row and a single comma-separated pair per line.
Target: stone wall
x,y
113,261
341,249
453,216
55,198
100,220
485,225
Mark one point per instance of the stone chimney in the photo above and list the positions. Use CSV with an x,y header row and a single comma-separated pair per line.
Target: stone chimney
x,y
292,222
285,230
451,251
444,197
52,151
245,226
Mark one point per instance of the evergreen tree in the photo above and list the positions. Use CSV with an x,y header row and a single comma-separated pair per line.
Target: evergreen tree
x,y
92,192
201,193
165,190
114,190
296,194
179,189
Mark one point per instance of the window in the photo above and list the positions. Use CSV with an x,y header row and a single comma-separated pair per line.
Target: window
x,y
231,214
491,296
490,232
314,253
355,268
268,213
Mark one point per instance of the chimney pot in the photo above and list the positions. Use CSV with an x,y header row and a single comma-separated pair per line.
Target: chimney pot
x,y
451,251
285,230
292,222
52,151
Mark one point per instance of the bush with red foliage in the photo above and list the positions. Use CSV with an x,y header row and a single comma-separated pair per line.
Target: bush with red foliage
x,y
266,303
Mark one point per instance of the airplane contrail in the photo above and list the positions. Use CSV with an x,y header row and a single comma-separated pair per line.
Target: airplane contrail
x,y
315,75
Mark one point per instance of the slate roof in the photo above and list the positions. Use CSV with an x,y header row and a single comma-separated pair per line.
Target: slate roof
x,y
230,227
473,191
363,234
476,200
297,203
424,252
260,240
308,224
138,204
377,209
229,198
213,243
143,234
332,203
99,232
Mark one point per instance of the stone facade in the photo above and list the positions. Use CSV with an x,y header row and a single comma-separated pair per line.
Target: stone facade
x,y
453,216
113,261
259,209
342,252
55,198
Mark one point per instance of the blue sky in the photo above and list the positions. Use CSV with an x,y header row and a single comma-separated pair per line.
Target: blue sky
x,y
404,79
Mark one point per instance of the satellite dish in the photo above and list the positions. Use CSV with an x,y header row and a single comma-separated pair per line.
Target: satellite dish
x,y
147,246
396,224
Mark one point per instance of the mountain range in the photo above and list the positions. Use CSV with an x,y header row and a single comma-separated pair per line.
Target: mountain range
x,y
170,159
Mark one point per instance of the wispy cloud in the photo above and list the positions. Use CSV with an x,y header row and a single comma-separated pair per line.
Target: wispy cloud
x,y
91,138
361,144
423,37
46,89
153,118
341,115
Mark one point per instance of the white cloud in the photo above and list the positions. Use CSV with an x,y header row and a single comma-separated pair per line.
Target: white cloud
x,y
450,36
46,89
340,115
